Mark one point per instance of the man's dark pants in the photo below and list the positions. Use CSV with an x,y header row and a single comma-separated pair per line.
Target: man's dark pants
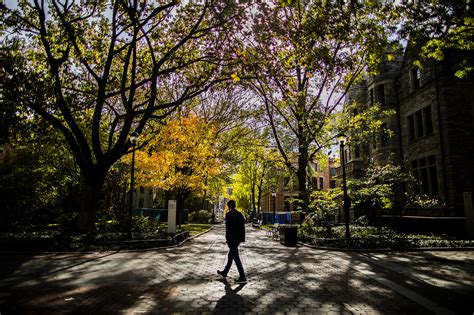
x,y
234,256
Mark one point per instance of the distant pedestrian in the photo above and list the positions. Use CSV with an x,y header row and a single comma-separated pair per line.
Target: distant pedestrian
x,y
234,235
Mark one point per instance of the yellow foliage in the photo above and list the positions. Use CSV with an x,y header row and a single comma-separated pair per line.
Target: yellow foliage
x,y
235,77
182,156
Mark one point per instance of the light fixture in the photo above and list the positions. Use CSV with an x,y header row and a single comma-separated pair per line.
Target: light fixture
x,y
134,138
341,138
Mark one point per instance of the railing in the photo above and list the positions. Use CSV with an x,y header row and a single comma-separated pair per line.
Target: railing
x,y
351,167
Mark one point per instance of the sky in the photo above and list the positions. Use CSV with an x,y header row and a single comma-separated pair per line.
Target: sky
x,y
11,3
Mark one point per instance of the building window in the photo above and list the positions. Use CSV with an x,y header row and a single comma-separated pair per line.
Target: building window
x,y
411,127
332,171
141,202
333,183
420,124
142,190
381,93
321,183
426,174
415,75
347,155
356,152
371,95
428,120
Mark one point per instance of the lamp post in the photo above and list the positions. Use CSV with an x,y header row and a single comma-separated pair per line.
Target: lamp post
x,y
342,139
274,207
133,140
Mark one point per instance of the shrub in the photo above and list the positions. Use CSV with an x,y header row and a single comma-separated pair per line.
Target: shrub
x,y
145,225
201,216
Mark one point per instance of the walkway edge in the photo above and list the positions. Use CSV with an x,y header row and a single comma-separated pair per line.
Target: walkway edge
x,y
384,250
95,252
167,247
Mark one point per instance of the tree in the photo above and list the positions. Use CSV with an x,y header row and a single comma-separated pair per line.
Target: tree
x,y
376,191
38,176
98,70
256,161
180,158
434,27
302,57
234,113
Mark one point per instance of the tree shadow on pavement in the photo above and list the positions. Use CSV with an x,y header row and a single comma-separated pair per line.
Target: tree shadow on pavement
x,y
281,279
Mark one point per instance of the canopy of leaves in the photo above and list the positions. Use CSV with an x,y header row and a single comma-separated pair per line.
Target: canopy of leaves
x,y
114,65
436,26
304,56
181,156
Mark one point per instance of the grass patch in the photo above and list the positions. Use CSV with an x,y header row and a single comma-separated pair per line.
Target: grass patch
x,y
195,228
267,227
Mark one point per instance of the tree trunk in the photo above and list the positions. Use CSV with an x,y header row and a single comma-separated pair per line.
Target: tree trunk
x,y
254,210
301,173
259,198
204,196
179,209
181,196
91,195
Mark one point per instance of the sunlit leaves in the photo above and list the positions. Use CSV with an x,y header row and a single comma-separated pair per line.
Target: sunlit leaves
x,y
181,156
363,126
436,26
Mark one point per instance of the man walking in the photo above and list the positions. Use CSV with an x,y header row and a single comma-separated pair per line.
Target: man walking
x,y
234,235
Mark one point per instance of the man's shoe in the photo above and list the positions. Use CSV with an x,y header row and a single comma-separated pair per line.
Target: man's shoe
x,y
241,280
221,273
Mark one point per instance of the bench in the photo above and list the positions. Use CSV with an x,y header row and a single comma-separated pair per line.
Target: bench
x,y
257,223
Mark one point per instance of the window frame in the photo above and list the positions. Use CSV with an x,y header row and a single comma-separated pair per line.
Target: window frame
x,y
425,171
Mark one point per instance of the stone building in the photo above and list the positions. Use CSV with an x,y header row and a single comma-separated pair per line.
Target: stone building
x,y
432,138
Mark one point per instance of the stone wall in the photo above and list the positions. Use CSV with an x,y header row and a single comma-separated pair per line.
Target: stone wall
x,y
444,105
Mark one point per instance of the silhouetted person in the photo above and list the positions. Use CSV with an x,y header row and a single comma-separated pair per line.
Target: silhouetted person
x,y
234,235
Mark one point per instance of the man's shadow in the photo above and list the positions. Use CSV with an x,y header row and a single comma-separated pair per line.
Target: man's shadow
x,y
231,300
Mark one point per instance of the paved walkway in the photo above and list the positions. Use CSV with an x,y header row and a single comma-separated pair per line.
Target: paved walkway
x,y
281,280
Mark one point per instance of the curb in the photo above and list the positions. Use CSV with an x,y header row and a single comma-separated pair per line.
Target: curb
x,y
384,250
31,253
166,247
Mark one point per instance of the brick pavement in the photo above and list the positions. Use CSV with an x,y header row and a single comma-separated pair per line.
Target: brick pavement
x,y
282,279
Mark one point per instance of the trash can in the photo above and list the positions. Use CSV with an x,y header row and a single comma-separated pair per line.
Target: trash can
x,y
289,235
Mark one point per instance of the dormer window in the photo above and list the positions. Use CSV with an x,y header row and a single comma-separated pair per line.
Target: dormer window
x,y
415,75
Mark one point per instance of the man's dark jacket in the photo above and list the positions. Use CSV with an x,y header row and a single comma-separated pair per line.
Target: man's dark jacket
x,y
234,227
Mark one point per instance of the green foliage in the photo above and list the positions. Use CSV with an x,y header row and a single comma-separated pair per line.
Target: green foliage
x,y
363,126
325,203
435,27
195,229
256,160
37,183
370,237
146,225
200,216
302,57
98,71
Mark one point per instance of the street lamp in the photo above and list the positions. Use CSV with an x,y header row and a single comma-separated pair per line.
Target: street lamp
x,y
133,140
274,207
342,140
